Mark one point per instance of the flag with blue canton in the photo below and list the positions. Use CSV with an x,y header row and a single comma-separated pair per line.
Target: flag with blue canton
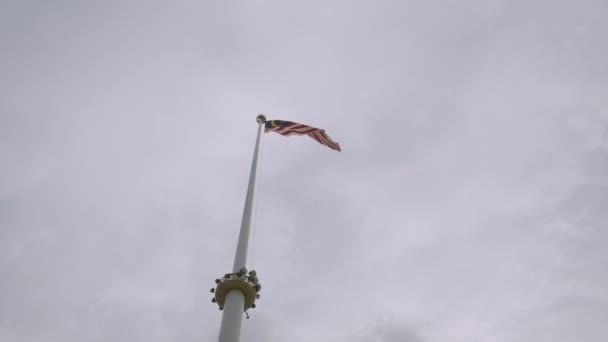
x,y
288,128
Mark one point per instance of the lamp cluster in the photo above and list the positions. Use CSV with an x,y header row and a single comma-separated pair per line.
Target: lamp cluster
x,y
244,281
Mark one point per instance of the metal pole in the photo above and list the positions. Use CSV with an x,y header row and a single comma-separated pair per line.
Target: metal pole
x,y
232,317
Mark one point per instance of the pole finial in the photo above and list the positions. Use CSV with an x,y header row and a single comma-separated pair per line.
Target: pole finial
x,y
261,119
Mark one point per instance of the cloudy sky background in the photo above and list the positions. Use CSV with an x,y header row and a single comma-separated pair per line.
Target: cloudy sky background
x,y
469,202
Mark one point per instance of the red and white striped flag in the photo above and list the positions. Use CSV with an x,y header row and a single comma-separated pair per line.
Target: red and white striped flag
x,y
288,128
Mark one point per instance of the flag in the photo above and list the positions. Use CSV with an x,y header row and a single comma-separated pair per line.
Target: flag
x,y
288,128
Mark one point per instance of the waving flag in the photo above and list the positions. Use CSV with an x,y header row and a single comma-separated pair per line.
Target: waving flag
x,y
288,128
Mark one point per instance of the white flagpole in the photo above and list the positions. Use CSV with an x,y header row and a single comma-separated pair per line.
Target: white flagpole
x,y
234,305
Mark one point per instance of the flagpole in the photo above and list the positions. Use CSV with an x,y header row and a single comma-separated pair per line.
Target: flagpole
x,y
235,298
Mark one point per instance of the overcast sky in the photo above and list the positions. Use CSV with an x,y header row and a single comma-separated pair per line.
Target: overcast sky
x,y
469,202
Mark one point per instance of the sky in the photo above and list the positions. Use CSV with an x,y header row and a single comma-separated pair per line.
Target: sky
x,y
468,202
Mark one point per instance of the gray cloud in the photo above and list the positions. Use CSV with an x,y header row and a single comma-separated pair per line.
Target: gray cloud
x,y
391,332
467,203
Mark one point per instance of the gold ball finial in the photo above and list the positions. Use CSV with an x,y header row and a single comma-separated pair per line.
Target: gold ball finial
x,y
261,119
